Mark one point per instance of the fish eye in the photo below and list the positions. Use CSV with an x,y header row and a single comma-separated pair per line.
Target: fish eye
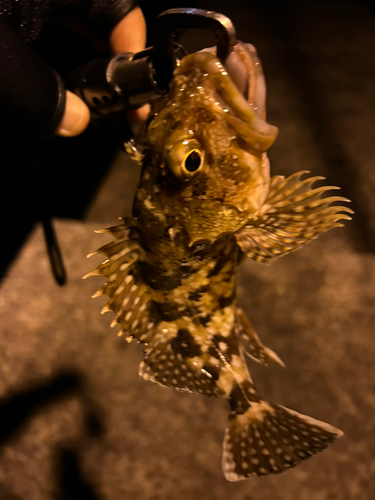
x,y
186,158
193,161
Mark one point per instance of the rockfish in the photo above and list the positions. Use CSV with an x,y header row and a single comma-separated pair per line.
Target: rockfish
x,y
205,200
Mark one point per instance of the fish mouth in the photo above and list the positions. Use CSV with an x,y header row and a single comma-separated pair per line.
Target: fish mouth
x,y
245,70
240,89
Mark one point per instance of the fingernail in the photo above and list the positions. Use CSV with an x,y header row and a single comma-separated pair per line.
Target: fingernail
x,y
76,117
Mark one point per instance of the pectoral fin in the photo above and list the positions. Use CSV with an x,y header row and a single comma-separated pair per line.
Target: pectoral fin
x,y
293,214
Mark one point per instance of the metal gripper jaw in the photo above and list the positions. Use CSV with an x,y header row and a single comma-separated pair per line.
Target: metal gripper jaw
x,y
130,80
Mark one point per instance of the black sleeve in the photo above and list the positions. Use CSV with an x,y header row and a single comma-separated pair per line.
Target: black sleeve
x,y
105,14
32,96
28,17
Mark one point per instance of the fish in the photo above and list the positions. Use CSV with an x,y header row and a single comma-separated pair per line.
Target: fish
x,y
204,202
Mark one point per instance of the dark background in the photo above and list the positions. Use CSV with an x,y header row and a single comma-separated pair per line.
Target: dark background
x,y
76,421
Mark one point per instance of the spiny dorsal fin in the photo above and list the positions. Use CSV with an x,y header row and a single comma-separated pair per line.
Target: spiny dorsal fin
x,y
293,214
129,296
252,344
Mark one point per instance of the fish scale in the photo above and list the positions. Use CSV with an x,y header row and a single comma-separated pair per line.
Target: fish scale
x,y
204,201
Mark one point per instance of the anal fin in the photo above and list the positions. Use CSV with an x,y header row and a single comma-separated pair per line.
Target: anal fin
x,y
168,364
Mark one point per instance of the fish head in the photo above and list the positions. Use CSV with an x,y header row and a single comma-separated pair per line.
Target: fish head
x,y
206,165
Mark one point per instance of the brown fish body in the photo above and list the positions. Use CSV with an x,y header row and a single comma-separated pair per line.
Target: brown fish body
x,y
205,199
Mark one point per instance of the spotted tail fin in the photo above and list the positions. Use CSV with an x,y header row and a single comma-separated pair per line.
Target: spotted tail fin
x,y
269,439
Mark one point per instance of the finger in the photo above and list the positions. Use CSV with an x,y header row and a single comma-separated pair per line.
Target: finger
x,y
129,35
76,117
138,115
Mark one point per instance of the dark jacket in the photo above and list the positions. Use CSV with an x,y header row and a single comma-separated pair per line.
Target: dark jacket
x,y
32,95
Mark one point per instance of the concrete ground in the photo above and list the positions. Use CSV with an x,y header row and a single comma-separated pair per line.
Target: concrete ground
x,y
76,420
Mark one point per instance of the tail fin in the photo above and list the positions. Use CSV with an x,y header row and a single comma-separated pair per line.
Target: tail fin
x,y
269,439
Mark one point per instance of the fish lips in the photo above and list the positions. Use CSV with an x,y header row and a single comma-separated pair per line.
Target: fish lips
x,y
242,115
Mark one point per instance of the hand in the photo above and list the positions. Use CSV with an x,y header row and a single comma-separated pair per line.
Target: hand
x,y
129,35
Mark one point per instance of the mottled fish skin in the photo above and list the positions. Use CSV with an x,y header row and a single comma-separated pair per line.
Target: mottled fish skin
x,y
205,199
